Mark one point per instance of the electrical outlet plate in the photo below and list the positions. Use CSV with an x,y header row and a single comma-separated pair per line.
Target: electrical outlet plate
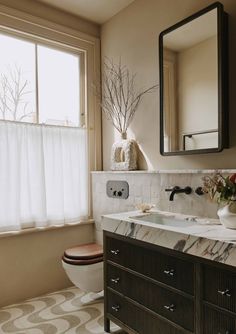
x,y
118,189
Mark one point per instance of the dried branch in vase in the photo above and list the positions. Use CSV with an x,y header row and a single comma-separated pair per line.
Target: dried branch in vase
x,y
119,98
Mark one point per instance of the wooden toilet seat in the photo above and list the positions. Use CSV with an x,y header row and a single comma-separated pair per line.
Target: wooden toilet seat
x,y
83,254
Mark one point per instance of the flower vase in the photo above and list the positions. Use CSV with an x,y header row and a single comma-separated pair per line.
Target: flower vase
x,y
227,215
124,154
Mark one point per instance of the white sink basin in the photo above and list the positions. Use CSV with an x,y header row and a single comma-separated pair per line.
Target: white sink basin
x,y
160,219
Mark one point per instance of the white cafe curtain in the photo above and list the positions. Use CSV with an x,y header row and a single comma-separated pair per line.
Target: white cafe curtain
x,y
43,175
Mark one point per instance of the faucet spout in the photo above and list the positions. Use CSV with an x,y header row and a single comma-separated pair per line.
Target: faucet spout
x,y
177,190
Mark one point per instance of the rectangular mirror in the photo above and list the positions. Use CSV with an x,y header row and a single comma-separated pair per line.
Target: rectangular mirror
x,y
193,84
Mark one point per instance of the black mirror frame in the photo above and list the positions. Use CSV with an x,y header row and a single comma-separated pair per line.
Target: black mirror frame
x,y
222,38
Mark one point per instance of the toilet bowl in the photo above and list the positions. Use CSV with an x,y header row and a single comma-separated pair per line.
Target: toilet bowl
x,y
84,266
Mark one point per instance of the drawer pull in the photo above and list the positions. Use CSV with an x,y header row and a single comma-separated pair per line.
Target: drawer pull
x,y
170,272
170,308
115,251
115,280
115,308
225,293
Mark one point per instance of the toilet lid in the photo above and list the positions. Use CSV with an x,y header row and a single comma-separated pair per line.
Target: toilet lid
x,y
84,252
78,262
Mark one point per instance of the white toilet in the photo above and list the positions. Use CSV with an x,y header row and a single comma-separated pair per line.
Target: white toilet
x,y
84,266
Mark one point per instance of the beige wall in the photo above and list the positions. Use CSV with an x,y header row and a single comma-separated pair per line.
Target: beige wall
x,y
31,263
133,35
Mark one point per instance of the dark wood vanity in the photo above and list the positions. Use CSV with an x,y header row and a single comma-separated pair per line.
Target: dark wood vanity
x,y
155,290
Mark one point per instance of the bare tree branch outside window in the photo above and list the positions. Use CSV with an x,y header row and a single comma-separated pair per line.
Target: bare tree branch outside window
x,y
119,98
14,95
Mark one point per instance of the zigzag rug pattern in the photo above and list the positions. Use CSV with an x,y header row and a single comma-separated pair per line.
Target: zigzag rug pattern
x,y
69,311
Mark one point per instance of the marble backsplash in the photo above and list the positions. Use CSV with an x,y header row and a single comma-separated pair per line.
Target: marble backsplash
x,y
150,187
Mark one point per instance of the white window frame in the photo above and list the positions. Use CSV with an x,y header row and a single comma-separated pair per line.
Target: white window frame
x,y
35,29
37,41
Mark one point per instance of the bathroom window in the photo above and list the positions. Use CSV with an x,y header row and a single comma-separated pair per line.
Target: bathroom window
x,y
43,138
39,83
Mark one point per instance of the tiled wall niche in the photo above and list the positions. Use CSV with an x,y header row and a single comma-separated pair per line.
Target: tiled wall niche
x,y
150,187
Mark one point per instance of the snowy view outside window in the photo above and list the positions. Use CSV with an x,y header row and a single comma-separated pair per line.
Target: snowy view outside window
x,y
38,84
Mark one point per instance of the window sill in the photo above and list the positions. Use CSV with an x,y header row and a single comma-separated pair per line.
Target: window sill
x,y
45,228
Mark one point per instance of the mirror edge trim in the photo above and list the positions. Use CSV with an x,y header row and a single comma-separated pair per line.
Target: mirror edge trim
x,y
223,114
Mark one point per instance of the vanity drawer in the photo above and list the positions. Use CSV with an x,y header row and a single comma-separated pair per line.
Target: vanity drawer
x,y
136,318
164,268
220,287
217,323
168,304
117,250
115,278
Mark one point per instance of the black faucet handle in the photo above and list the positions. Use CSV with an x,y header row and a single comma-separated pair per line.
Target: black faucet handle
x,y
199,191
174,188
188,190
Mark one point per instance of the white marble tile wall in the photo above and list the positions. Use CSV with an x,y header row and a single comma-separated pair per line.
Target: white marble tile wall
x,y
150,187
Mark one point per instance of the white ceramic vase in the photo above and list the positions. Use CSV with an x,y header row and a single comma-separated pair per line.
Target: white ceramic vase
x,y
124,154
227,215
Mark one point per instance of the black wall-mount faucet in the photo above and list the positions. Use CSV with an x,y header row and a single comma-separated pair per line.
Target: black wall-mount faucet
x,y
177,190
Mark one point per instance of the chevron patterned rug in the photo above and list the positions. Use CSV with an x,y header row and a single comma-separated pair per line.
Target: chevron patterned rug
x,y
69,311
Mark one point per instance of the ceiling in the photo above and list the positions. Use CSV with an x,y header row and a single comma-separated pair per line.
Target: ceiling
x,y
98,11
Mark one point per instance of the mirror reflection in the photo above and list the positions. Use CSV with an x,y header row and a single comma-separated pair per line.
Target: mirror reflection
x,y
190,85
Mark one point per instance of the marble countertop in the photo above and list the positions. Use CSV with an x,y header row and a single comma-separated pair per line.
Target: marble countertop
x,y
168,171
202,237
